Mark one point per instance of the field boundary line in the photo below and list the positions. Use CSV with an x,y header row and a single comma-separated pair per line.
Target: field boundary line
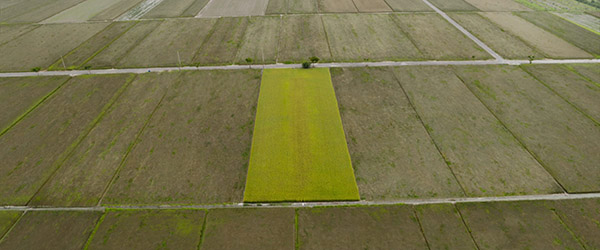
x,y
145,6
290,66
466,226
457,200
14,224
465,31
201,12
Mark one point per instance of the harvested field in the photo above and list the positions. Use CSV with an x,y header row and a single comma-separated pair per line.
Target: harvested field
x,y
301,38
582,217
408,5
392,154
81,12
194,8
115,10
172,8
299,151
35,11
85,175
271,228
139,10
195,148
7,220
497,5
589,22
52,230
301,6
277,7
260,41
234,8
173,36
566,30
20,95
10,32
372,6
558,5
370,37
589,71
438,39
505,44
80,55
112,54
581,93
485,157
223,43
343,6
516,225
36,146
443,227
148,229
560,137
44,45
378,227
453,5
545,42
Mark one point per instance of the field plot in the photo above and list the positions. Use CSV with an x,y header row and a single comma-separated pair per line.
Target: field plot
x,y
367,37
35,11
52,230
562,139
438,39
558,5
195,8
218,8
301,6
588,21
35,147
223,43
76,58
505,44
344,6
408,5
173,36
260,41
44,45
392,154
570,32
195,148
169,8
589,71
7,219
10,32
115,10
272,228
486,159
545,42
582,217
19,95
453,5
84,176
372,6
497,5
299,151
378,227
443,227
516,225
112,54
81,12
301,38
579,92
148,229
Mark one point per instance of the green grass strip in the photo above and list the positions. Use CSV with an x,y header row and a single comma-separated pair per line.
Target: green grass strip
x,y
299,150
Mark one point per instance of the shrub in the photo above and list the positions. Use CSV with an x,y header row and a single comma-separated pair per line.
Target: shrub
x,y
249,60
306,65
314,59
36,69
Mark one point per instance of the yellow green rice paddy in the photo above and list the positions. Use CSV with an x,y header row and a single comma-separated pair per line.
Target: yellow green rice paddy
x,y
299,151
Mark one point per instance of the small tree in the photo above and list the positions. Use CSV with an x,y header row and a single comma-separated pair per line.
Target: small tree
x,y
249,60
531,59
314,59
36,69
306,65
